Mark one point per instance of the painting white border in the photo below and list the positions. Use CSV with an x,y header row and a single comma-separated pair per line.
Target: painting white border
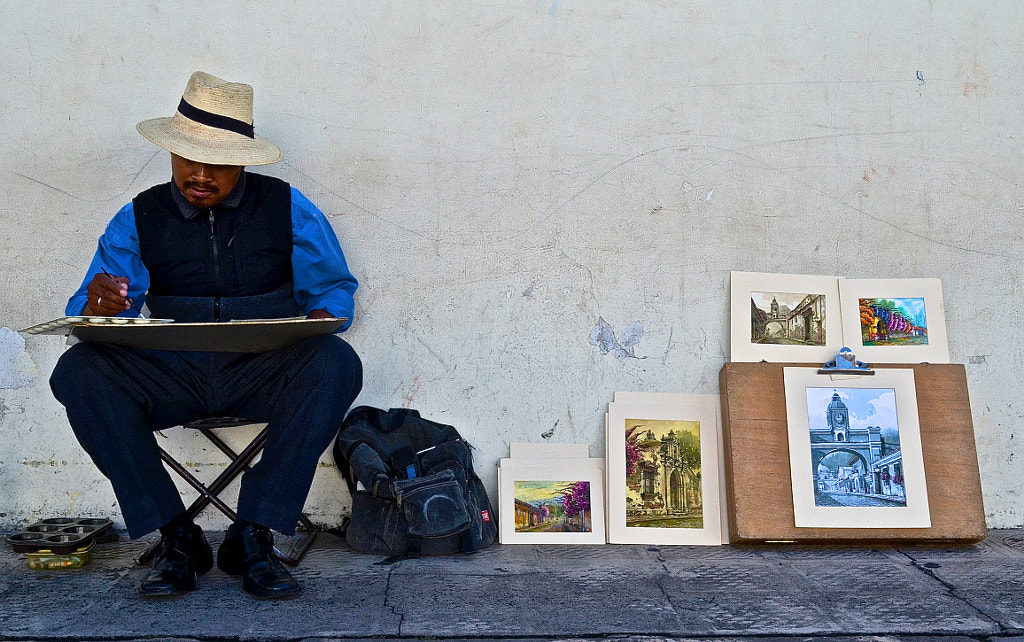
x,y
742,349
625,396
915,514
574,470
851,291
596,463
526,450
700,408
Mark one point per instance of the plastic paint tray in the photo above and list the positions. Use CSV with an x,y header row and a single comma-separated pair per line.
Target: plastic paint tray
x,y
59,535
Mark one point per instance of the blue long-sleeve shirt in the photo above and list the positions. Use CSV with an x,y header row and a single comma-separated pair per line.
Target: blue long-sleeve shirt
x,y
320,273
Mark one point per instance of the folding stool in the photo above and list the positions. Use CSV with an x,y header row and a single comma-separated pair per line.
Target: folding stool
x,y
289,550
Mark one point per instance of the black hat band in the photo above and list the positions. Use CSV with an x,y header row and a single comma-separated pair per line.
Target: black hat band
x,y
215,120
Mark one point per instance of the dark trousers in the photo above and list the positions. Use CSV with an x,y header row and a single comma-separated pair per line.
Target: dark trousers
x,y
116,397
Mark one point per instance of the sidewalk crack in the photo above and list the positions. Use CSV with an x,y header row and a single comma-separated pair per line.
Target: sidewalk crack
x,y
660,583
387,599
951,589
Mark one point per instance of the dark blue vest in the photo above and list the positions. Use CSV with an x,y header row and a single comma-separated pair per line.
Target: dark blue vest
x,y
224,263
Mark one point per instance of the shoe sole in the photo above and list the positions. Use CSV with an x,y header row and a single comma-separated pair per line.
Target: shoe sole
x,y
283,595
158,595
166,593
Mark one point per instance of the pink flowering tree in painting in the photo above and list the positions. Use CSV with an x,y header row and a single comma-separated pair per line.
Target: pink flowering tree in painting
x,y
633,453
576,501
576,498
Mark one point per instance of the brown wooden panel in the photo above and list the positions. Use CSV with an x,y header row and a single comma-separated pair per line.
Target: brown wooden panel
x,y
758,486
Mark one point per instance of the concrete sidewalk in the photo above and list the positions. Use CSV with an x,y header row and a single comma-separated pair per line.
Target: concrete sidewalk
x,y
546,592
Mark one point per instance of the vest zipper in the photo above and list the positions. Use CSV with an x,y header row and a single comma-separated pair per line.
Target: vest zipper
x,y
216,266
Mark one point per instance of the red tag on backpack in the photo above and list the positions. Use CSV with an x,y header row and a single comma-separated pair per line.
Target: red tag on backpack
x,y
486,515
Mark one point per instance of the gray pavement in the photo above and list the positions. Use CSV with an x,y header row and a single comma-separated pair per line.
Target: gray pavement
x,y
549,592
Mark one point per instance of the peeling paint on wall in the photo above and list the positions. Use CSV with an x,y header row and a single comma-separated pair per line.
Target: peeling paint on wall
x,y
16,368
603,336
548,434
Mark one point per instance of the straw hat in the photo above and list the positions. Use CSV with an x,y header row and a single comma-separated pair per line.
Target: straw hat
x,y
213,124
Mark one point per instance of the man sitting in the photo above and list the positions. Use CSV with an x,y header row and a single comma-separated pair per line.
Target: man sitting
x,y
216,243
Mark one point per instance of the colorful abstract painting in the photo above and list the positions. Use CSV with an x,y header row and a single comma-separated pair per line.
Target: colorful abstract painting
x,y
893,322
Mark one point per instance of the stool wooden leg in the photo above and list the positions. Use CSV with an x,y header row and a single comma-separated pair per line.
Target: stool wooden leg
x,y
291,550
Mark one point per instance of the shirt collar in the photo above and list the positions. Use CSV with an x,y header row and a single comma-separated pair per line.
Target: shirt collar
x,y
189,211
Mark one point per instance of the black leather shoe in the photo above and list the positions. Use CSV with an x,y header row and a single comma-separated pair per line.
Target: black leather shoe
x,y
251,555
184,554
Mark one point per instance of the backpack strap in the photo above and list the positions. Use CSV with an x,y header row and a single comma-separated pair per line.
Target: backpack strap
x,y
412,412
341,461
403,461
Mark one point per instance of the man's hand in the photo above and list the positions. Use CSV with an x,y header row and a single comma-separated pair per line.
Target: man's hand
x,y
319,314
107,295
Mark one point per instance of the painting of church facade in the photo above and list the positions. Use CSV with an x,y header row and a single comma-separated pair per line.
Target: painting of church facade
x,y
856,458
787,318
663,474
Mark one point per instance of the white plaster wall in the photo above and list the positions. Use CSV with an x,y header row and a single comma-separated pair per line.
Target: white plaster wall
x,y
508,178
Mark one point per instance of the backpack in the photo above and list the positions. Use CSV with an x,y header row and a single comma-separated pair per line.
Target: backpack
x,y
413,487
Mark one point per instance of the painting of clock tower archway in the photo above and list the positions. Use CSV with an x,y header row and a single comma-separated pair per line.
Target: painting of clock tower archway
x,y
855,464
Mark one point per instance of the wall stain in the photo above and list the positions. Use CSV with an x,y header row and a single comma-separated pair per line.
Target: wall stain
x,y
39,463
16,368
413,389
603,336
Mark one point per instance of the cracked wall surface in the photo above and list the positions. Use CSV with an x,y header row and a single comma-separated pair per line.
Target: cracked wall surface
x,y
542,202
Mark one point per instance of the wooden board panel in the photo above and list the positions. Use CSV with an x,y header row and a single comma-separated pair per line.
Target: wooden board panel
x,y
758,487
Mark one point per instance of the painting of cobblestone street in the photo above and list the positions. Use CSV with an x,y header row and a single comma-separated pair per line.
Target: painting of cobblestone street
x,y
552,507
787,318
